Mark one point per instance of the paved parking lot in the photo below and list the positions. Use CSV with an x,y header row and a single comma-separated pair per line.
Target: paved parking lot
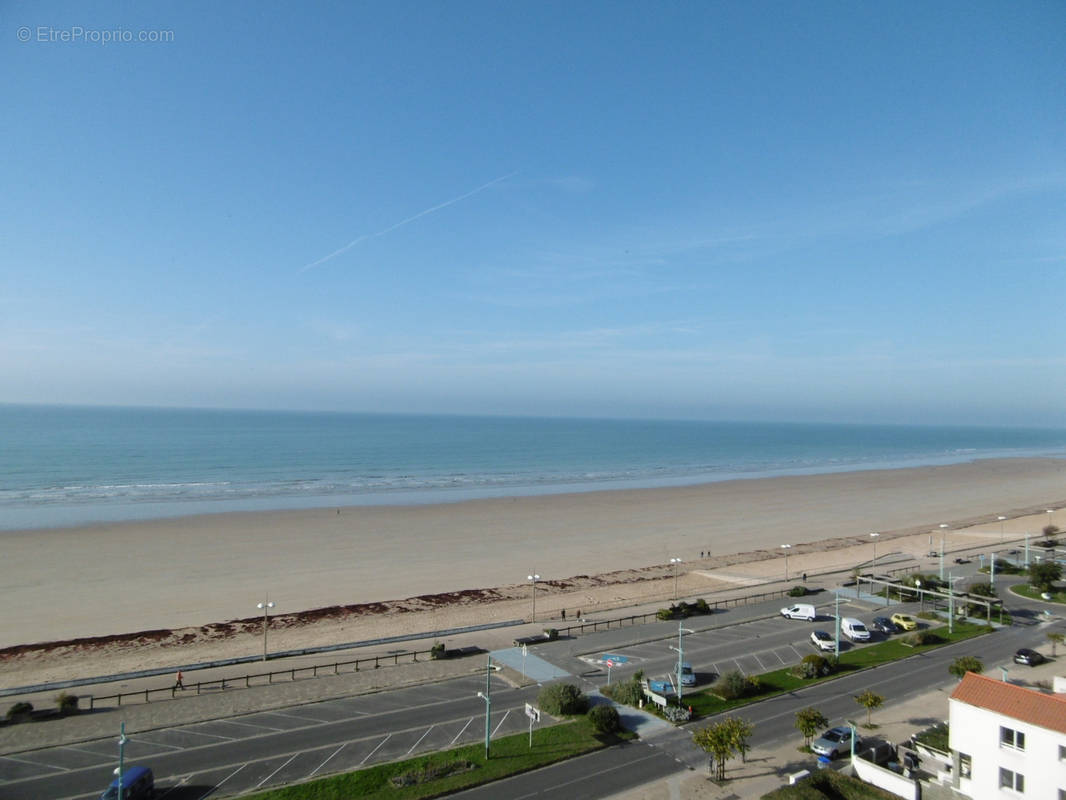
x,y
751,648
275,747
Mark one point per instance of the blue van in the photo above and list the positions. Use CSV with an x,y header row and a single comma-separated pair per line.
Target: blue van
x,y
138,783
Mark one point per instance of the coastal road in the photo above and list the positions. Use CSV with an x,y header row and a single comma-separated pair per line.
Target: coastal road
x,y
281,746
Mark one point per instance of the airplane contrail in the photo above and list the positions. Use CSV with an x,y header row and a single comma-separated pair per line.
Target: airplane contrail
x,y
407,221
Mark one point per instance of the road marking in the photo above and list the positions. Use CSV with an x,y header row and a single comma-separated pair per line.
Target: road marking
x,y
212,735
316,769
250,725
176,785
275,772
304,719
212,789
588,775
462,731
38,764
423,736
498,726
387,737
759,661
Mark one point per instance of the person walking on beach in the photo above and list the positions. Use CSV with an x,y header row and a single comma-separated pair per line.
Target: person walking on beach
x,y
178,684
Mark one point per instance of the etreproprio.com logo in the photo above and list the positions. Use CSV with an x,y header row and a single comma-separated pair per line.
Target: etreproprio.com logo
x,y
77,34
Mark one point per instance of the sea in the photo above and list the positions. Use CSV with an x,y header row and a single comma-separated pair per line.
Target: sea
x,y
64,465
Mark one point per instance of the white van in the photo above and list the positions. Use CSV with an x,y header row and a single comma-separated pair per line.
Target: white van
x,y
854,629
800,611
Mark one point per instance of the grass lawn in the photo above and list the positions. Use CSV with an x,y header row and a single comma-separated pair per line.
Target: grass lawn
x,y
1058,594
782,680
456,769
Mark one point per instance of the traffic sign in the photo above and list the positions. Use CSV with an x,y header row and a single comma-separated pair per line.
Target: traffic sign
x,y
532,713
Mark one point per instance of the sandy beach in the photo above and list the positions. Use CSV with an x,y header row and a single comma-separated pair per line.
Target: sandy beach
x,y
177,576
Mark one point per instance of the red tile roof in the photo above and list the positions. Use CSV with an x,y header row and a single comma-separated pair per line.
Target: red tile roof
x,y
1028,705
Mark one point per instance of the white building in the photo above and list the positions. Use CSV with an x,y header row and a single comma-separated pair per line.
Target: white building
x,y
1007,741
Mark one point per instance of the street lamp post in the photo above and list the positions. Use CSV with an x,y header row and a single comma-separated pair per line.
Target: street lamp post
x,y
1050,518
921,594
992,569
265,607
680,659
786,548
836,615
873,564
943,526
675,562
487,697
533,585
121,755
1001,519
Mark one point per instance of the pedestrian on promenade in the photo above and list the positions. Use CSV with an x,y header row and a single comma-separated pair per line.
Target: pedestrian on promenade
x,y
178,684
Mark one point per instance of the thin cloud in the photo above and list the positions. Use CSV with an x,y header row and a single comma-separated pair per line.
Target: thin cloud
x,y
403,222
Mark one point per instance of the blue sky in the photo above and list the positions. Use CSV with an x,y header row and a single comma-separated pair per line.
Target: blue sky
x,y
780,211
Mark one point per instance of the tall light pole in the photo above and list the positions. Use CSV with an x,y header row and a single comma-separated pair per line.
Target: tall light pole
x,y
675,562
121,754
680,658
265,607
1001,518
1050,512
487,697
873,564
836,614
943,527
786,548
533,585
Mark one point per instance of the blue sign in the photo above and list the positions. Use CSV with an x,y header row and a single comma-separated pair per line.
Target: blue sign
x,y
614,658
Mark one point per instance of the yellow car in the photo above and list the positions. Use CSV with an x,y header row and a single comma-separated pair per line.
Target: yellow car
x,y
905,621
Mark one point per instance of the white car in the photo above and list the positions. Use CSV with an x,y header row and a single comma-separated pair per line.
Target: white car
x,y
854,629
800,611
823,640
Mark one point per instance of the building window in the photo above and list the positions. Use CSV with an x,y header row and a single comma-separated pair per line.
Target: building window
x,y
1008,737
1011,780
965,765
1062,752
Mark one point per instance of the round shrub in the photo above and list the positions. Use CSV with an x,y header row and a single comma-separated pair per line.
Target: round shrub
x,y
731,686
797,591
604,718
562,699
19,710
67,703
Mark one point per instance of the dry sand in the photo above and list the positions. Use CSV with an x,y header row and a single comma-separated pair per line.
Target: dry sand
x,y
181,576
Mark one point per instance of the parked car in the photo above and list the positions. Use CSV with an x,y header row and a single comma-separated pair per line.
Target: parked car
x,y
823,640
800,611
905,621
884,625
688,677
138,783
854,629
961,560
1028,657
835,742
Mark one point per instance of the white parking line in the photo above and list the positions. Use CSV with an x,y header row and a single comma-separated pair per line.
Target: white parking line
x,y
175,786
424,735
37,764
759,662
211,735
302,719
250,725
462,731
316,769
212,789
275,772
505,713
387,737
799,655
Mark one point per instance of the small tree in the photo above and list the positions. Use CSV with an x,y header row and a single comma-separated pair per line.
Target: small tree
x,y
740,731
1056,639
1050,531
963,664
809,721
719,740
812,666
732,686
67,703
869,700
1043,575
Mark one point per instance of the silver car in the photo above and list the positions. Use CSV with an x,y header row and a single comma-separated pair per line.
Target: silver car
x,y
835,742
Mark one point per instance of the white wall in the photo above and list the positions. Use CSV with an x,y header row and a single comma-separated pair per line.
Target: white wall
x,y
976,731
886,779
